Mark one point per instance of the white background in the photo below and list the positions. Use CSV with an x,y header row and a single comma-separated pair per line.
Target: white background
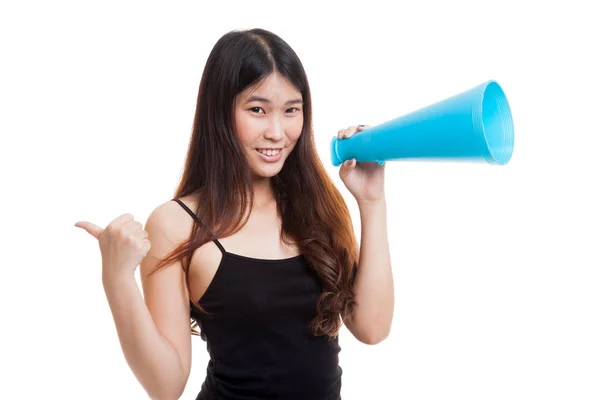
x,y
496,267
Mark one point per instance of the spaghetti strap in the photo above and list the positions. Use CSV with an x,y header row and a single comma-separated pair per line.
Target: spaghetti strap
x,y
186,208
220,246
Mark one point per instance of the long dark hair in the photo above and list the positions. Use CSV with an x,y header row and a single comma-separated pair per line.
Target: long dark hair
x,y
314,214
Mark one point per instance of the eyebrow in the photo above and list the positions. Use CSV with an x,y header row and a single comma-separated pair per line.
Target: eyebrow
x,y
262,99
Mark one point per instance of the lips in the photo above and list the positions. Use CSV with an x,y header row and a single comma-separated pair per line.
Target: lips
x,y
270,158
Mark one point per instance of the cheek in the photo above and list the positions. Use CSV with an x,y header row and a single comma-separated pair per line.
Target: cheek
x,y
246,130
295,129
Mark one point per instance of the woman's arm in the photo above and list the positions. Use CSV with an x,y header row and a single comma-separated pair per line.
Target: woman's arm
x,y
374,286
154,332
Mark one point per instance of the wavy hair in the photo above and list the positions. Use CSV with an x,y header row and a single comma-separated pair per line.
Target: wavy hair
x,y
314,215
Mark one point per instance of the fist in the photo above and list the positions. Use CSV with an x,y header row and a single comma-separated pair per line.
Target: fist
x,y
123,244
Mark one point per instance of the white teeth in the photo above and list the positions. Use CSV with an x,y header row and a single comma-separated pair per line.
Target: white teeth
x,y
268,152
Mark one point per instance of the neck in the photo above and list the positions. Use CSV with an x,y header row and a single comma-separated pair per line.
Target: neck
x,y
263,194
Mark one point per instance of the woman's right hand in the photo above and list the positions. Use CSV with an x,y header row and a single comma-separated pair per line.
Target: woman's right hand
x,y
123,244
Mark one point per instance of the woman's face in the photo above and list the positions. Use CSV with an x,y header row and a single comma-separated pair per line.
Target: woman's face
x,y
269,120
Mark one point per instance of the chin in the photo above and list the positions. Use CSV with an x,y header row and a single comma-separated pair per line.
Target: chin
x,y
263,173
267,171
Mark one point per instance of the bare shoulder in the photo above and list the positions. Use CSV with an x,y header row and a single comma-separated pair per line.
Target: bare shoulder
x,y
170,223
168,226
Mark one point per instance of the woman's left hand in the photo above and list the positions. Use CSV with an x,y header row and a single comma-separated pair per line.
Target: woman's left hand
x,y
365,180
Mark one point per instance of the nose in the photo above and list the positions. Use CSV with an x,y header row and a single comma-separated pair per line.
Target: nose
x,y
275,130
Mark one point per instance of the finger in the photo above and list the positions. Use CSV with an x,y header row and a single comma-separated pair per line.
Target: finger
x,y
132,226
146,246
353,129
122,219
140,234
90,228
340,133
349,131
345,133
347,167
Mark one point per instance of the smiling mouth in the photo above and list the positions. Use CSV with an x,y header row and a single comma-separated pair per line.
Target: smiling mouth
x,y
269,152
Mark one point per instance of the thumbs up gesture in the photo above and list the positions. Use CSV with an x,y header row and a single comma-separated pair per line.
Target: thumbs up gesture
x,y
123,244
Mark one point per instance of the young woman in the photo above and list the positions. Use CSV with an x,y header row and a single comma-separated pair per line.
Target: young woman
x,y
256,248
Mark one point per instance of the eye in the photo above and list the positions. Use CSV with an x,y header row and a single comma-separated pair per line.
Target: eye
x,y
255,108
293,108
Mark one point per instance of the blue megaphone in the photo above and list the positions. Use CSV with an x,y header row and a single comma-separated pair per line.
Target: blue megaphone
x,y
475,125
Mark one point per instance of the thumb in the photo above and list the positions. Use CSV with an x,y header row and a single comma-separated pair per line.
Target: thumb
x,y
347,167
92,229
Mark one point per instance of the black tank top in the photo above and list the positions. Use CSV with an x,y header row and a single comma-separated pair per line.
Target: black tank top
x,y
257,332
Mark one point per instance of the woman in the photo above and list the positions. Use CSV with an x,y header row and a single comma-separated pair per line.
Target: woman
x,y
257,246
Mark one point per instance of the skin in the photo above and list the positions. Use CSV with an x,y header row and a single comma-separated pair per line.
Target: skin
x,y
374,285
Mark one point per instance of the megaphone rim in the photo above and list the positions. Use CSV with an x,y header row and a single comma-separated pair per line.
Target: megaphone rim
x,y
493,91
